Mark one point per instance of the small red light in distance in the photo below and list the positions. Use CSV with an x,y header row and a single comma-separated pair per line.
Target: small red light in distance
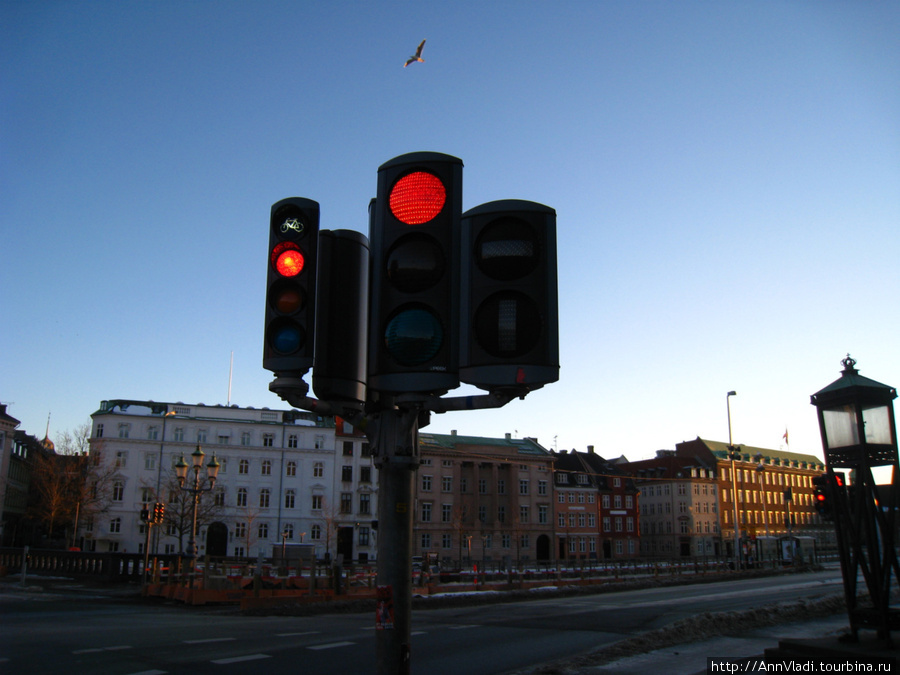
x,y
417,198
288,259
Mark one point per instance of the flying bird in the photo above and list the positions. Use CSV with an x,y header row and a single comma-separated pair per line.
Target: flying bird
x,y
417,56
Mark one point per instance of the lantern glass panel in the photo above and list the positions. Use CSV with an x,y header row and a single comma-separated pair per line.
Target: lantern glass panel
x,y
840,426
877,422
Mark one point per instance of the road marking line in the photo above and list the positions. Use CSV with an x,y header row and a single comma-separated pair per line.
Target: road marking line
x,y
419,632
94,650
201,642
238,659
150,672
331,645
468,625
309,632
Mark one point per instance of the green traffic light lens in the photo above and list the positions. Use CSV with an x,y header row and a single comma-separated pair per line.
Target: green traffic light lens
x,y
286,337
413,336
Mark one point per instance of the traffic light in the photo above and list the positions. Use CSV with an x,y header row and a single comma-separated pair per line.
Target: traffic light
x,y
509,333
342,316
145,514
159,512
414,234
291,287
820,496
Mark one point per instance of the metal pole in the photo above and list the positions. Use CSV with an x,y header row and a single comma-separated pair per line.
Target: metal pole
x,y
397,457
734,491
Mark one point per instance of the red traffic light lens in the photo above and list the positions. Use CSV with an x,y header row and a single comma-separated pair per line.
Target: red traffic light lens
x,y
417,198
287,259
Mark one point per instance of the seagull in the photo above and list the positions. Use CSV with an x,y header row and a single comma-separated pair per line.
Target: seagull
x,y
417,56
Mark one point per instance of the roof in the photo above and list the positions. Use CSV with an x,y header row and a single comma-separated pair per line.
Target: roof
x,y
522,446
748,453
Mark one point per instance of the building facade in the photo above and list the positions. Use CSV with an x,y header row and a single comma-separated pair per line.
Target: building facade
x,y
773,491
679,506
275,480
483,499
597,511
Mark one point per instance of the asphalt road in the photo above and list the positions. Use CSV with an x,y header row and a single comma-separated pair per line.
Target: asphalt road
x,y
72,631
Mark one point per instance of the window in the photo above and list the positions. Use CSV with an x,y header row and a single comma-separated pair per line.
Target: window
x,y
482,514
121,459
365,474
290,497
426,512
99,433
290,468
288,531
240,530
501,486
542,487
179,434
318,470
542,514
153,433
501,514
266,467
219,497
363,535
263,530
146,495
201,435
348,448
523,514
426,483
365,501
124,430
115,525
264,496
316,503
268,440
150,461
245,438
315,532
242,496
347,474
346,502
523,486
244,466
482,486
292,441
447,483
320,442
446,513
118,493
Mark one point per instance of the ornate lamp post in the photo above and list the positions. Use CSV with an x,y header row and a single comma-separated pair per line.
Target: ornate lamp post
x,y
733,454
195,490
856,421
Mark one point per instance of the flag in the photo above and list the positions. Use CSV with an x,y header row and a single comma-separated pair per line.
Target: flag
x,y
785,437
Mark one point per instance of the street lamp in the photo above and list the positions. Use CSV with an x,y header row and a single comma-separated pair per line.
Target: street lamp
x,y
195,490
732,454
856,422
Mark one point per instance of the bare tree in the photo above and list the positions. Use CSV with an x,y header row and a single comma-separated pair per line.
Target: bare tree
x,y
179,516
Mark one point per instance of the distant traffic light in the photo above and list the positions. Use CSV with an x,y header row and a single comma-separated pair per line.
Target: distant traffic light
x,y
342,316
509,336
414,294
820,496
291,286
159,513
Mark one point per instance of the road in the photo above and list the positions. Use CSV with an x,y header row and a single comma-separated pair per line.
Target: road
x,y
48,633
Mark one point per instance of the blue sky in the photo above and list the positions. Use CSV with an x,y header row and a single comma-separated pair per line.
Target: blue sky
x,y
726,177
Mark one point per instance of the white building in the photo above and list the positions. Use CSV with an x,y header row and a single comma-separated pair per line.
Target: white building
x,y
280,477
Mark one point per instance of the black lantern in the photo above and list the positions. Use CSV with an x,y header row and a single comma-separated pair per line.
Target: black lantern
x,y
856,421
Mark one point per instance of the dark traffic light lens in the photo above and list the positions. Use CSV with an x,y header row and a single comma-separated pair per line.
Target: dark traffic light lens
x,y
508,324
287,297
286,337
413,336
415,263
417,198
507,249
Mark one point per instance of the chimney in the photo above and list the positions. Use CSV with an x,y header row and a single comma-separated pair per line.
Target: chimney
x,y
591,449
508,436
453,432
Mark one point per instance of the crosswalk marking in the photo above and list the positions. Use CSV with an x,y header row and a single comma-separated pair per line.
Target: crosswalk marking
x,y
238,659
330,645
206,640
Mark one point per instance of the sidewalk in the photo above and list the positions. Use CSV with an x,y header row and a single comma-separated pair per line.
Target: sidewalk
x,y
690,659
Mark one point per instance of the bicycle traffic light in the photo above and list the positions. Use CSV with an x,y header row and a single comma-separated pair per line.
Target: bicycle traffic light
x,y
413,320
509,335
291,286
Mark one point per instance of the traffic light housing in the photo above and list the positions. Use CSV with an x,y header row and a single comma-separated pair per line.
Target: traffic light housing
x,y
414,234
820,495
509,331
342,315
291,286
159,512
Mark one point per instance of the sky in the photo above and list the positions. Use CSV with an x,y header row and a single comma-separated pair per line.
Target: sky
x,y
726,177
